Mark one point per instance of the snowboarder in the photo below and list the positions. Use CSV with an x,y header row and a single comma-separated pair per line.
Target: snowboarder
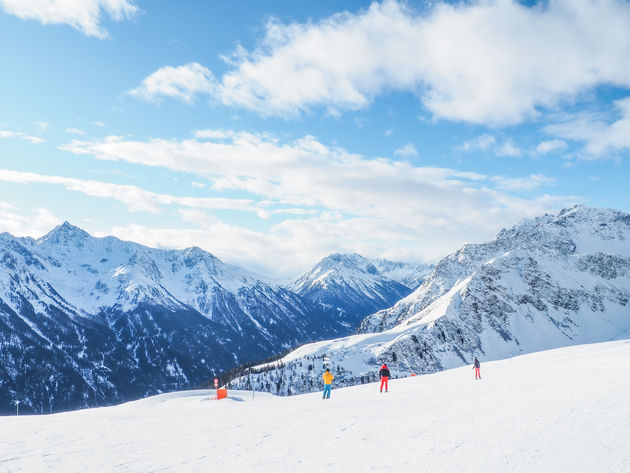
x,y
384,374
476,367
328,379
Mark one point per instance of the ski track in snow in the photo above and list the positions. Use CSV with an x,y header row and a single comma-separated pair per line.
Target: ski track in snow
x,y
566,410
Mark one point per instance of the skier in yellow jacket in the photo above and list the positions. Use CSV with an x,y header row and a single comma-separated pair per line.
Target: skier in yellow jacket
x,y
328,379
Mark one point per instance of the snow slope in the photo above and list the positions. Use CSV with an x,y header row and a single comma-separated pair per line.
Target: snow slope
x,y
566,410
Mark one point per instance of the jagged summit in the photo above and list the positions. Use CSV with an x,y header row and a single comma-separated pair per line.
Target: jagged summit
x,y
195,251
195,256
580,224
351,286
338,264
64,232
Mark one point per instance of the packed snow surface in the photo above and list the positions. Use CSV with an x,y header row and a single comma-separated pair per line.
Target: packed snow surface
x,y
565,410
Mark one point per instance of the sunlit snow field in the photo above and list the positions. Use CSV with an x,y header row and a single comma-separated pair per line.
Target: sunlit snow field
x,y
565,410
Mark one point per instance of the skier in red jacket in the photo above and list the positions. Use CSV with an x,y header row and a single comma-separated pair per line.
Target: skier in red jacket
x,y
384,374
476,367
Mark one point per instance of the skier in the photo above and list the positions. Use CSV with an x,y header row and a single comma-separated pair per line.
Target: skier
x,y
476,367
384,374
328,379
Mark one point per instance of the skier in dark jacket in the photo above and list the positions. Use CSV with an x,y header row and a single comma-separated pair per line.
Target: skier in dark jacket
x,y
384,374
477,367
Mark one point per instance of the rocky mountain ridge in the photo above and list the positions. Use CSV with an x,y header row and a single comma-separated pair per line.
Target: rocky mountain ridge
x,y
548,282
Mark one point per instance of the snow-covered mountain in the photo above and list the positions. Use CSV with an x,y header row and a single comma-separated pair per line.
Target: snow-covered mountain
x,y
553,281
87,321
350,286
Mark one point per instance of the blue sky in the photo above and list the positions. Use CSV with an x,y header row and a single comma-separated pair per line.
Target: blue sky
x,y
274,133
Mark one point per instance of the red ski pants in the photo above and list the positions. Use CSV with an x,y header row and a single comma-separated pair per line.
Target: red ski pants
x,y
384,380
477,373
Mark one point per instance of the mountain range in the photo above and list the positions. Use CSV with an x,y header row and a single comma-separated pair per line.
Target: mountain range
x,y
350,287
548,282
88,321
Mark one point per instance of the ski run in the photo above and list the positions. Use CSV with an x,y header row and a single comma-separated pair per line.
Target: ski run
x,y
563,410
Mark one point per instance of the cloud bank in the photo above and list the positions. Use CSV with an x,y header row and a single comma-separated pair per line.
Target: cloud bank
x,y
601,137
183,83
333,200
83,15
492,62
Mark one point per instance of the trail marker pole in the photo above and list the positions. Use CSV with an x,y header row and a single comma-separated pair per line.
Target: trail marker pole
x,y
216,386
408,367
17,408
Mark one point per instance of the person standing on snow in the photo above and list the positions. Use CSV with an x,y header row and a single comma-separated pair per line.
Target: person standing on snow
x,y
328,379
477,367
384,374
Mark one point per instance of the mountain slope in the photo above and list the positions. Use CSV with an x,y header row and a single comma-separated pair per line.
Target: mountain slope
x,y
533,413
349,286
577,231
89,321
549,282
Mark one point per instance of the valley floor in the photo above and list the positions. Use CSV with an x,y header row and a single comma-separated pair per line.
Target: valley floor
x,y
565,410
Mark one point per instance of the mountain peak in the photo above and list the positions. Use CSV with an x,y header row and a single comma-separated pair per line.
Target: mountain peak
x,y
64,232
353,260
196,251
195,255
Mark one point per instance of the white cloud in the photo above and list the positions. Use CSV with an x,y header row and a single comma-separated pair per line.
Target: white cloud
x,y
75,131
600,136
551,146
135,198
389,132
480,143
19,223
406,151
182,82
22,136
286,250
213,134
99,124
489,144
374,206
42,126
293,246
524,183
300,173
83,15
492,62
508,148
